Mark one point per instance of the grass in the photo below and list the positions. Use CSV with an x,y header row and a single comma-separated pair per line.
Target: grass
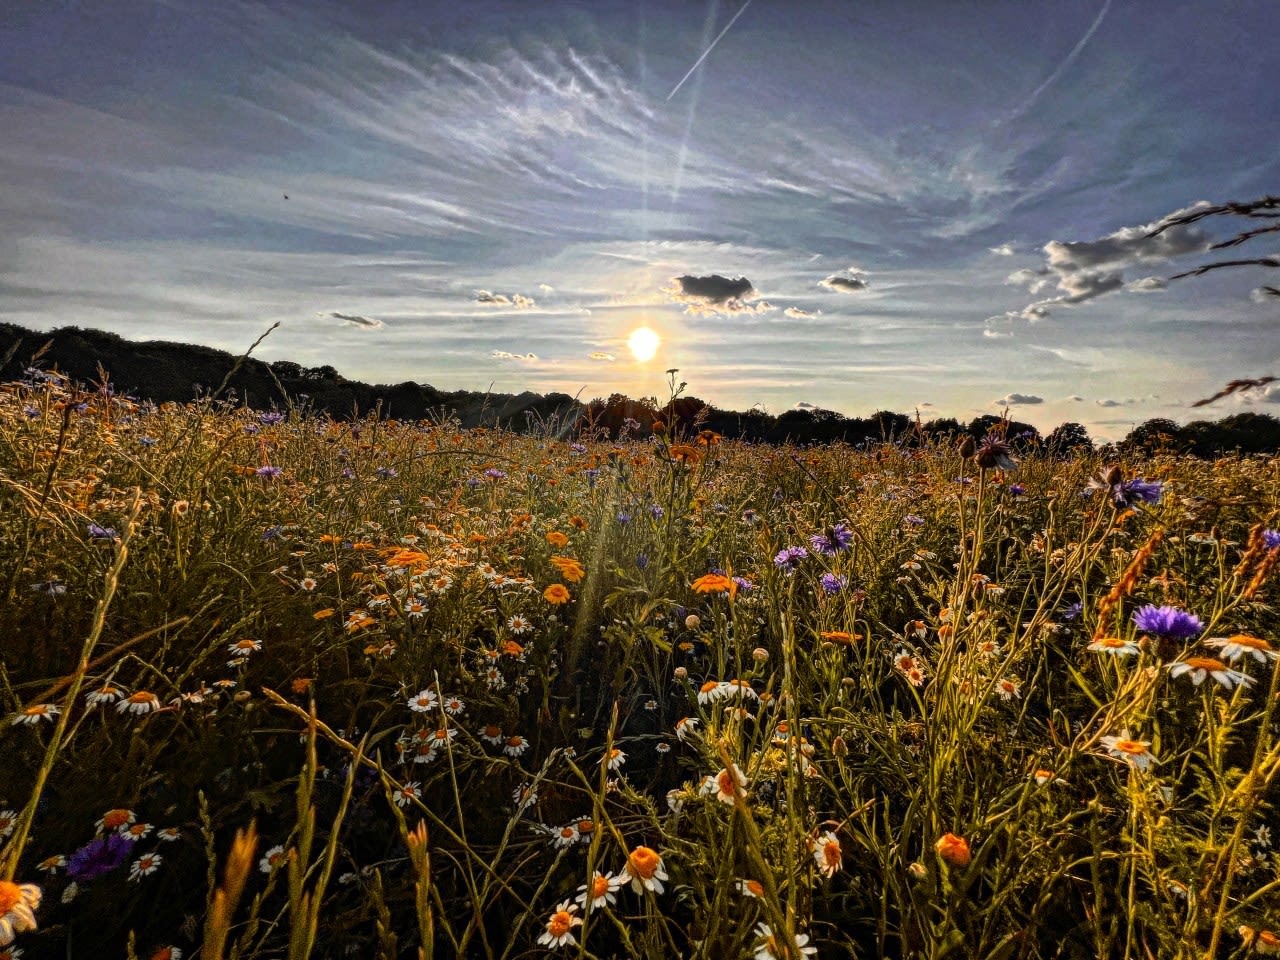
x,y
398,689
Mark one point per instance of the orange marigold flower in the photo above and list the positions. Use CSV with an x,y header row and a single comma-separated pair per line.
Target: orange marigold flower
x,y
557,539
557,594
715,583
953,849
577,522
569,568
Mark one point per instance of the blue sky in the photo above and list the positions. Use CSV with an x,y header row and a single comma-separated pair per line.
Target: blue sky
x,y
935,204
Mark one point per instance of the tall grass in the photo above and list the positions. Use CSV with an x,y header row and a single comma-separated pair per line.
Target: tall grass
x,y
397,689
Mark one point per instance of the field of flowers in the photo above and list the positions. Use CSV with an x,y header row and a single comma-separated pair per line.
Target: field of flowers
x,y
279,686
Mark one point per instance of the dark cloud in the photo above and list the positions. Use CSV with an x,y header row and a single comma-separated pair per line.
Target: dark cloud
x,y
1086,269
1025,399
355,320
806,405
843,284
716,294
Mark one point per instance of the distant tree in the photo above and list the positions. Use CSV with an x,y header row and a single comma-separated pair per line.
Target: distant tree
x,y
1067,438
943,427
1155,434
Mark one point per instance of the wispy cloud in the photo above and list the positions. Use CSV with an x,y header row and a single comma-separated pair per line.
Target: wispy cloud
x,y
355,320
506,355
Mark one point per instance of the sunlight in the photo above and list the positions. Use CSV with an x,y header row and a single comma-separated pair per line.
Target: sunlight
x,y
643,343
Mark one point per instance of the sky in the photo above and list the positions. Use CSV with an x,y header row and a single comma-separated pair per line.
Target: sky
x,y
934,205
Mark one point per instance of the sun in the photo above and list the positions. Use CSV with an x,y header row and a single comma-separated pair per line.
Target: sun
x,y
643,343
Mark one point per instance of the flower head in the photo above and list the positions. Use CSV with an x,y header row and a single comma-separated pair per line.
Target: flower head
x,y
954,850
559,932
773,945
18,905
827,853
1239,645
600,891
1115,646
644,870
556,594
98,857
1133,752
1168,622
789,558
1197,668
832,540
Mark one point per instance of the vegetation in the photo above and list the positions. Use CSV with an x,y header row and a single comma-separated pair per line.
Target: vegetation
x,y
280,685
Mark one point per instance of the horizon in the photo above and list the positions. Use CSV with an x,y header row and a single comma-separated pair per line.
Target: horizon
x,y
932,209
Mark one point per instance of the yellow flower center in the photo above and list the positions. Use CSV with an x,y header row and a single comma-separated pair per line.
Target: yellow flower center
x,y
1253,643
709,686
599,886
643,862
1206,663
561,922
831,854
10,896
727,782
1131,746
755,888
114,819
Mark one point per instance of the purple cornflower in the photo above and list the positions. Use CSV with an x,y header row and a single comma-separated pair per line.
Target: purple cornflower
x,y
995,452
1140,491
493,473
577,448
833,583
269,472
789,558
103,533
832,540
591,474
1168,622
271,418
912,520
1017,489
98,857
657,512
624,517
387,473
743,583
1073,611
1271,539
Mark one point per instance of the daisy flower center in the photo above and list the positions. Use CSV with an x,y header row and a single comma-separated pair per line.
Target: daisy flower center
x,y
1205,663
727,782
10,896
1253,643
644,862
561,922
1131,746
599,886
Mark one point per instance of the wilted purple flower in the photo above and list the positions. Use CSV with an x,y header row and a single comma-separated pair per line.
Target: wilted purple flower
x,y
271,533
833,583
103,533
912,520
1141,491
748,516
591,474
387,473
252,428
630,423
1073,611
147,441
577,448
995,452
268,472
832,541
473,482
31,411
1168,622
1271,539
789,558
98,857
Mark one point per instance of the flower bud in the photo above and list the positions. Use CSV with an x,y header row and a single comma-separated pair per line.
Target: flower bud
x,y
917,871
692,621
759,654
681,673
954,850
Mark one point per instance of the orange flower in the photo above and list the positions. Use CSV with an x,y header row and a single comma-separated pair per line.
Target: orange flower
x,y
322,614
577,522
715,583
569,568
301,684
556,594
557,539
840,636
954,850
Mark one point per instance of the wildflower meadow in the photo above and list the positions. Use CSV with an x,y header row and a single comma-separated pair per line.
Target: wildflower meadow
x,y
276,685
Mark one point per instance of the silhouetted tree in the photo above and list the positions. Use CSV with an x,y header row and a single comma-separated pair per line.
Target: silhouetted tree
x,y
1067,438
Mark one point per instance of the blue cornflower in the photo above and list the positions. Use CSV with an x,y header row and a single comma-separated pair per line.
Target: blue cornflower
x,y
31,411
103,533
271,533
833,583
624,517
473,482
271,418
743,583
98,857
1271,539
493,473
1168,622
147,441
269,472
1017,489
789,558
1073,611
642,561
1140,491
657,512
832,541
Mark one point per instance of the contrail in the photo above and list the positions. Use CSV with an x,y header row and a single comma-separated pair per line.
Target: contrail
x,y
1071,57
697,63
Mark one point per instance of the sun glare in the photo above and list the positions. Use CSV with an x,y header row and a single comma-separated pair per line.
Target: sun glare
x,y
643,343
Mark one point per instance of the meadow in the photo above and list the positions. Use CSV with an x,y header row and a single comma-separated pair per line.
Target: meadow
x,y
276,685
